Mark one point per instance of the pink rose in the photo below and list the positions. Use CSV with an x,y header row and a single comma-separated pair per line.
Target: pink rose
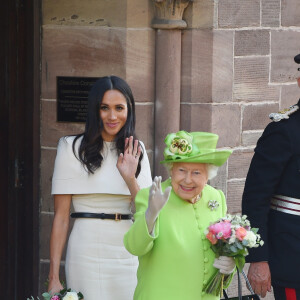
x,y
240,233
55,297
221,230
212,238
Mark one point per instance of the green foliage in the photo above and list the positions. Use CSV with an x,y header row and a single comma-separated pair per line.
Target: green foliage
x,y
61,294
46,296
240,262
215,284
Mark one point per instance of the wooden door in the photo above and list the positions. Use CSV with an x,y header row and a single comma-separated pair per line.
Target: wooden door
x,y
19,148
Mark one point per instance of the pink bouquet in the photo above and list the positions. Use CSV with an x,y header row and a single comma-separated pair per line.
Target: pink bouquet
x,y
230,236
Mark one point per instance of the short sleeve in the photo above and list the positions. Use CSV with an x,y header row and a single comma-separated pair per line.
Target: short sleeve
x,y
66,167
70,176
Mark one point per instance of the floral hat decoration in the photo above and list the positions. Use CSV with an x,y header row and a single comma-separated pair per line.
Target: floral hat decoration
x,y
194,147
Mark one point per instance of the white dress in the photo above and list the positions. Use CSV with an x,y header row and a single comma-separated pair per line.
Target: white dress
x,y
97,264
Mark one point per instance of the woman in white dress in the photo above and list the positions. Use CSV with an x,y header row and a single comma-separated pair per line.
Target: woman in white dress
x,y
99,171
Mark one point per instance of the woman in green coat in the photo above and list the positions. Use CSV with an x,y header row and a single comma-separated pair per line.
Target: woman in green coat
x,y
175,259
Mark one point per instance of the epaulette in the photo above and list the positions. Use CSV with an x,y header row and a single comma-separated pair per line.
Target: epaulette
x,y
284,114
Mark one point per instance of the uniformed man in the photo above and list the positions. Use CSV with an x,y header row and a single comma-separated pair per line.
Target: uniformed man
x,y
271,200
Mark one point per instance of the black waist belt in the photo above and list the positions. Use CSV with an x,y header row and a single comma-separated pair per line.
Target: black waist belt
x,y
116,217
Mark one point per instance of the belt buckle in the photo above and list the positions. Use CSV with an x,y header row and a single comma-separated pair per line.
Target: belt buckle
x,y
118,217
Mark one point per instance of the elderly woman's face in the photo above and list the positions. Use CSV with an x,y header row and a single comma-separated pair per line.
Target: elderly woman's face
x,y
188,179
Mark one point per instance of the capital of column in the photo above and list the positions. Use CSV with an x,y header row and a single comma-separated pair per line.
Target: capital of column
x,y
168,14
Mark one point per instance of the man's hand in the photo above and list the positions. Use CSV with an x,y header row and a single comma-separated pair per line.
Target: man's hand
x,y
260,278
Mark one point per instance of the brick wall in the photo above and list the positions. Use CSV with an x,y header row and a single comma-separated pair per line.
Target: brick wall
x,y
101,38
237,67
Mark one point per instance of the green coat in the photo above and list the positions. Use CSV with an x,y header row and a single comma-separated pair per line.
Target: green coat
x,y
176,261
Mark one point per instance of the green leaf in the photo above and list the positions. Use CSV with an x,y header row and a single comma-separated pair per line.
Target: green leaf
x,y
240,262
80,296
214,248
63,291
238,245
46,283
233,248
46,296
255,230
245,243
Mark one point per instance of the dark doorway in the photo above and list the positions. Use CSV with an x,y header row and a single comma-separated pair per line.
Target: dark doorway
x,y
19,148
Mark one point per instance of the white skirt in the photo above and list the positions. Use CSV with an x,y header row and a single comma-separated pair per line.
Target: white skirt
x,y
97,263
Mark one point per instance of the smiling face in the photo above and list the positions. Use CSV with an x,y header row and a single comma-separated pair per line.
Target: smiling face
x,y
113,113
189,179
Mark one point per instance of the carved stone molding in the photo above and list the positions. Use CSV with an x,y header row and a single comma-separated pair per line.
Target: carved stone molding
x,y
168,14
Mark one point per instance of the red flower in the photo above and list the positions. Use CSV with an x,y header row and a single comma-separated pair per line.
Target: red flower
x,y
212,238
240,233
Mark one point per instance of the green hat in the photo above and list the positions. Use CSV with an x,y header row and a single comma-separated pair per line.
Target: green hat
x,y
194,147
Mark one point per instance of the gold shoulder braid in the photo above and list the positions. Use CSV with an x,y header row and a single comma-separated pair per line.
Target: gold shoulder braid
x,y
284,114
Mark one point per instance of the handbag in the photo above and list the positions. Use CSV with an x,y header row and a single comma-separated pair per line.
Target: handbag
x,y
253,296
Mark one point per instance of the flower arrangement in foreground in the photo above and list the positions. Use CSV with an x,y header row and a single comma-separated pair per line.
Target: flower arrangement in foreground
x,y
230,236
64,294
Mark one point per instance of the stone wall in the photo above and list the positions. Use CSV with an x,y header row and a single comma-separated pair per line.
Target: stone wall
x,y
91,39
237,67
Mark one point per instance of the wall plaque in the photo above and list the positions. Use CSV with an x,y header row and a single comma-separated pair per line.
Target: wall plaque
x,y
72,98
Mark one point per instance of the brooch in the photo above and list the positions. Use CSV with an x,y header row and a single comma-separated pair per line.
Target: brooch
x,y
284,114
213,204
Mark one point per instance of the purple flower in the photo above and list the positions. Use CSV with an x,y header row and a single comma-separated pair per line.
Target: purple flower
x,y
55,297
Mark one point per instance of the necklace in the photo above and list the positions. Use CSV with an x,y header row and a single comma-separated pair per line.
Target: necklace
x,y
195,199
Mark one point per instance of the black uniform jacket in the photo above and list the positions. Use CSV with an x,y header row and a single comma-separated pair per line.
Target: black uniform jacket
x,y
275,170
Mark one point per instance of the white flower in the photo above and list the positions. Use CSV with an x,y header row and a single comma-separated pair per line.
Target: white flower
x,y
261,242
71,296
232,238
250,238
228,217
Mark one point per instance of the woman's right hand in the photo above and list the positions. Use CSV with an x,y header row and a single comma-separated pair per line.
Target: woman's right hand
x,y
58,238
157,200
54,286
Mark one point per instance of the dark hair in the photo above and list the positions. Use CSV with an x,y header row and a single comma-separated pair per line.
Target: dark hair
x,y
89,152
